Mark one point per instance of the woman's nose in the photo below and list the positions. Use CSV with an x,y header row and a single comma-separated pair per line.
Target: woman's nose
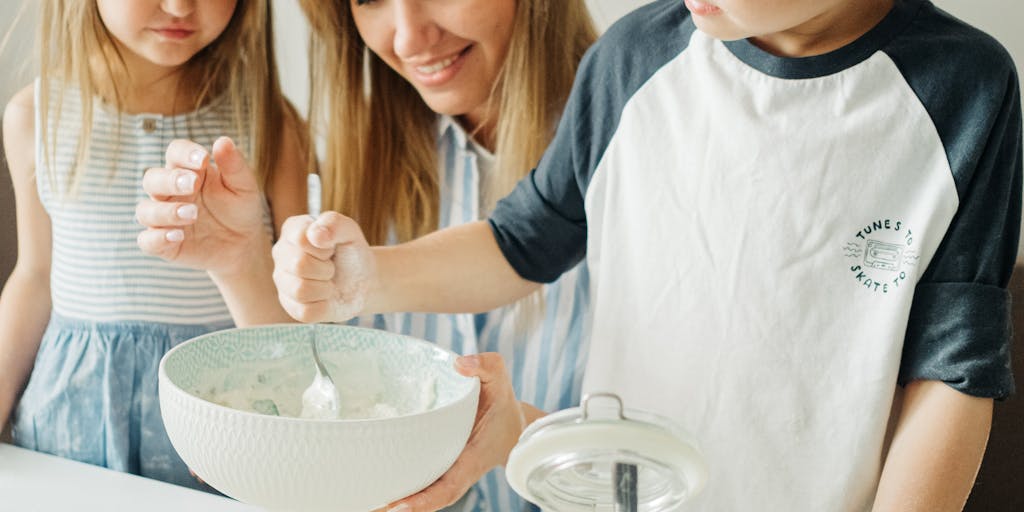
x,y
416,29
178,8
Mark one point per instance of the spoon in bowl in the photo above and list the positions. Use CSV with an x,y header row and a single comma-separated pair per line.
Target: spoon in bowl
x,y
320,400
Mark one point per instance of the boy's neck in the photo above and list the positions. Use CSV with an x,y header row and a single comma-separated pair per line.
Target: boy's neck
x,y
829,31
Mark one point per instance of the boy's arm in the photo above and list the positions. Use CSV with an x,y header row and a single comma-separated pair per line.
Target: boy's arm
x,y
936,450
460,269
325,271
25,302
956,353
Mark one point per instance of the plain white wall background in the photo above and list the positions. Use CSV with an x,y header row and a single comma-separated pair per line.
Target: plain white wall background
x,y
17,59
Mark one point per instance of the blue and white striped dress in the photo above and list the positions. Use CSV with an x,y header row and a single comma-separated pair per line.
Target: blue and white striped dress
x,y
92,395
545,360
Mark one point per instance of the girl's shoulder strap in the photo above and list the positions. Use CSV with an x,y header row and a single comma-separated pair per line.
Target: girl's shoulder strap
x,y
38,137
44,180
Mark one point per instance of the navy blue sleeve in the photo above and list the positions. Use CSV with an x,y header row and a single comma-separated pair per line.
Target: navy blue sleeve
x,y
541,227
959,329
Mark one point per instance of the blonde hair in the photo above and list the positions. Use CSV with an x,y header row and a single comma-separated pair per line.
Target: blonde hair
x,y
76,49
381,161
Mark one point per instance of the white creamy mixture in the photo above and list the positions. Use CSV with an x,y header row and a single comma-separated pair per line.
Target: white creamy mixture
x,y
275,387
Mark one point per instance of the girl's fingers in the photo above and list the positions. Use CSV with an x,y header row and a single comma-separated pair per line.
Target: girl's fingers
x,y
159,214
162,184
161,242
231,168
186,154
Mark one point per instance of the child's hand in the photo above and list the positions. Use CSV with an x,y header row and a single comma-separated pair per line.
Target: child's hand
x,y
323,268
199,213
499,423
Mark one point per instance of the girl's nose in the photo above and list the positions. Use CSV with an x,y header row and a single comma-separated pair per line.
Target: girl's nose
x,y
178,8
415,29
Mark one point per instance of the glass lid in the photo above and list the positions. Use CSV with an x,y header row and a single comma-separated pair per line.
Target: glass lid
x,y
602,457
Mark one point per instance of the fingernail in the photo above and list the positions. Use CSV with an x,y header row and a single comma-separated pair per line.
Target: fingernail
x,y
185,183
470,361
175,235
188,212
399,508
196,157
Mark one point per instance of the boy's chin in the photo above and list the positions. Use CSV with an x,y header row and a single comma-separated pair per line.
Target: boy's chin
x,y
719,30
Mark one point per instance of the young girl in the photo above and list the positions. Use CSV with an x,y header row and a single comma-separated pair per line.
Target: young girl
x,y
119,80
464,97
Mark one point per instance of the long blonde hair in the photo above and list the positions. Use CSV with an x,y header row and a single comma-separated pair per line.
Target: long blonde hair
x,y
76,49
381,161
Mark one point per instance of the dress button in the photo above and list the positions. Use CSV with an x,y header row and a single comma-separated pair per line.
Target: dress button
x,y
149,125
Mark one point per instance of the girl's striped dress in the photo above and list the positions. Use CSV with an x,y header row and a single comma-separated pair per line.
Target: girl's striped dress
x,y
92,396
545,354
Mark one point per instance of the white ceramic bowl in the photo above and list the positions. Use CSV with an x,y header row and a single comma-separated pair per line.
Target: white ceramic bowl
x,y
287,463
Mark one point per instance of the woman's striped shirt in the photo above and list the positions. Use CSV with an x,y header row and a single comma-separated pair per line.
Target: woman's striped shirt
x,y
546,358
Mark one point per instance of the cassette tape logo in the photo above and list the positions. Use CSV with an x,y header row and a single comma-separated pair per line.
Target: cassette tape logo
x,y
883,256
883,252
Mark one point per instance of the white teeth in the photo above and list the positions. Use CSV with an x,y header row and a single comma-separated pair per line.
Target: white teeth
x,y
430,70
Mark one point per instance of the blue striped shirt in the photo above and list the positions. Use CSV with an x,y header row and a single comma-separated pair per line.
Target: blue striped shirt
x,y
544,352
98,272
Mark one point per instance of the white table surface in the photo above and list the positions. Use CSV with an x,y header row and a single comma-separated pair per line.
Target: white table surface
x,y
35,482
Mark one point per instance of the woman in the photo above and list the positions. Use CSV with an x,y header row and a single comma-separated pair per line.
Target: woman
x,y
463,98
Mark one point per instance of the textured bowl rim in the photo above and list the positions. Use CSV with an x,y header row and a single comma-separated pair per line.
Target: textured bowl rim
x,y
474,389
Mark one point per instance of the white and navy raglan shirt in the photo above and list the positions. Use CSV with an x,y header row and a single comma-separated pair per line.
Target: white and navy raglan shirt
x,y
777,244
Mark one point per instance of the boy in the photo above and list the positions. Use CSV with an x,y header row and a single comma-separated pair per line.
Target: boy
x,y
800,219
